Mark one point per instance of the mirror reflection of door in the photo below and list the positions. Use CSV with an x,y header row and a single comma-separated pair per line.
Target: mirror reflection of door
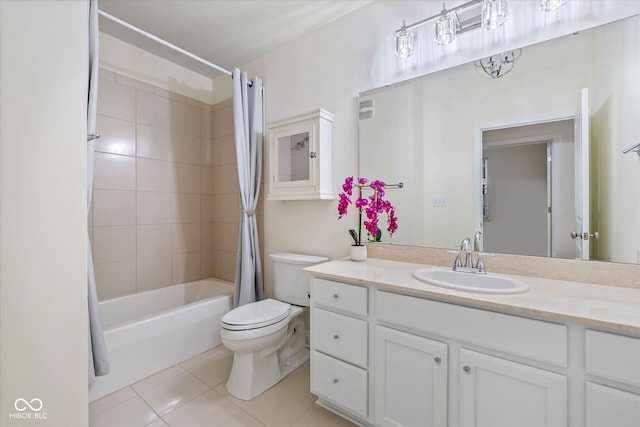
x,y
293,161
530,186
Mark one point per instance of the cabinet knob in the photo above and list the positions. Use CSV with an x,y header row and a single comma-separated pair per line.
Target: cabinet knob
x,y
336,296
437,360
336,381
312,154
467,370
336,337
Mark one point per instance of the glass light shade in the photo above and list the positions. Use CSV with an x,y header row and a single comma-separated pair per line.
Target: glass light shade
x,y
549,5
445,29
404,44
494,13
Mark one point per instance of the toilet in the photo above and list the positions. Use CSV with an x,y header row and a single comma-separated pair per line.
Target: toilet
x,y
268,336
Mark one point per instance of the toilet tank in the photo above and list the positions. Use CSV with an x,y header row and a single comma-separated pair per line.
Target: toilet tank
x,y
291,284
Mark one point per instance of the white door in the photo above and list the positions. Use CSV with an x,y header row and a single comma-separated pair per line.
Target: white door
x,y
410,380
496,392
608,406
581,232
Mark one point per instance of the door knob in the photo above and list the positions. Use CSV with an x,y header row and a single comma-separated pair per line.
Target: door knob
x,y
585,235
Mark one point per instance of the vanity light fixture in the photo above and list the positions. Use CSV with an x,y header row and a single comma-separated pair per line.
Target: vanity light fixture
x,y
496,66
450,23
549,5
494,13
446,27
404,42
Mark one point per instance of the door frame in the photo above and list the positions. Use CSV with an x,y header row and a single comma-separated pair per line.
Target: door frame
x,y
479,128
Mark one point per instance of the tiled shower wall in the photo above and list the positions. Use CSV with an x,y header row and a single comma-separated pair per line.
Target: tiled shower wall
x,y
165,195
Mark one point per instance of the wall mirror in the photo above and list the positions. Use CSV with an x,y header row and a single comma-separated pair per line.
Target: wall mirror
x,y
464,144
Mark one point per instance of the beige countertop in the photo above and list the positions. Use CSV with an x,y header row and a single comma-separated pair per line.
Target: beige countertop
x,y
596,305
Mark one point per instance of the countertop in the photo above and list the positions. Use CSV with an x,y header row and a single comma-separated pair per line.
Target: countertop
x,y
596,305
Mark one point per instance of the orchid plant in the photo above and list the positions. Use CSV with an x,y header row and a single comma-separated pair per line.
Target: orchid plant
x,y
372,206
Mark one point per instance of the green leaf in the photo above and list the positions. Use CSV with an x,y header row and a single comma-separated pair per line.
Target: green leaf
x,y
354,235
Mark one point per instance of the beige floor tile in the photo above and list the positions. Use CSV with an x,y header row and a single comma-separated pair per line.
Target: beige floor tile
x,y
133,412
173,393
242,419
110,400
203,358
222,389
158,423
317,416
215,372
157,379
209,409
289,403
300,380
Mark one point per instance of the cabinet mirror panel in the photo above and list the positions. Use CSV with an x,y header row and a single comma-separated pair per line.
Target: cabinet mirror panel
x,y
503,156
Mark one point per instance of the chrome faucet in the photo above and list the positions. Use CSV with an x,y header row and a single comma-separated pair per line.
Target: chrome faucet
x,y
467,266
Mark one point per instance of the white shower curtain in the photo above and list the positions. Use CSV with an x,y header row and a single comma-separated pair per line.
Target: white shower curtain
x,y
98,357
248,126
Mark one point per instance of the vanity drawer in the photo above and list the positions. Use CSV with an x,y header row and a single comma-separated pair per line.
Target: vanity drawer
x,y
533,339
613,356
339,296
339,382
340,336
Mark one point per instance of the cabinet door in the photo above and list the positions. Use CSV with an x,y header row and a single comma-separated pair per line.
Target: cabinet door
x,y
499,393
608,407
410,380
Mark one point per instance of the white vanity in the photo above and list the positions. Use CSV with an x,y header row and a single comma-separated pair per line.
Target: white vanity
x,y
389,350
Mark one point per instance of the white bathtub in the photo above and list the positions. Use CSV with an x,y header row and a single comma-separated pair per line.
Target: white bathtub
x,y
151,331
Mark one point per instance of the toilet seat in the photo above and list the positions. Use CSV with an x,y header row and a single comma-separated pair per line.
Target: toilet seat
x,y
256,315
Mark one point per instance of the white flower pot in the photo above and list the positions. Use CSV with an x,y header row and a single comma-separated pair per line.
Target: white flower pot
x,y
358,253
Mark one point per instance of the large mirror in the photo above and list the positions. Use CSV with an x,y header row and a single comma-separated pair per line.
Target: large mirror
x,y
503,156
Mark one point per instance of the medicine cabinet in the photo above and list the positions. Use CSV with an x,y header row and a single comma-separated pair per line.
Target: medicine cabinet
x,y
300,157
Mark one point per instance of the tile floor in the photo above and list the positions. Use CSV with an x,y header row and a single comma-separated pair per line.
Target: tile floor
x,y
193,394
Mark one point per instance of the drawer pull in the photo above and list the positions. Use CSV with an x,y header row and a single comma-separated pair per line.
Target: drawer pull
x,y
467,370
437,360
336,337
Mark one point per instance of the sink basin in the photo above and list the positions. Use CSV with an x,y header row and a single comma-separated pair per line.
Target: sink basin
x,y
471,282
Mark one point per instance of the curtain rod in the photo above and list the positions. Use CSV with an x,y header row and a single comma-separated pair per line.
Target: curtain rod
x,y
163,42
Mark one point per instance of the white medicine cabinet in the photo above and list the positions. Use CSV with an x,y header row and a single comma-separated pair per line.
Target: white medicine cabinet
x,y
299,152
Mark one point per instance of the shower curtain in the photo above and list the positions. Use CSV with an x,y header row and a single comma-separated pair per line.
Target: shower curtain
x,y
248,126
98,358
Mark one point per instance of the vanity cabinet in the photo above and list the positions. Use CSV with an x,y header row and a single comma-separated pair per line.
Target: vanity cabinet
x,y
410,380
612,362
501,393
383,358
493,390
299,152
339,345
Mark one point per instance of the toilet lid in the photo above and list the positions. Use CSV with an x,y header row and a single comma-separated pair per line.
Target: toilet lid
x,y
256,315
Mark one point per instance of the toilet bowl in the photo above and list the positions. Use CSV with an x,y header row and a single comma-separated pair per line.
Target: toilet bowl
x,y
268,337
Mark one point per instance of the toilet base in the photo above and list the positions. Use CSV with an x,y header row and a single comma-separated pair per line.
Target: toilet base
x,y
253,373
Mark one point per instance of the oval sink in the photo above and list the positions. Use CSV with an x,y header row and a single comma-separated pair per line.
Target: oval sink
x,y
471,282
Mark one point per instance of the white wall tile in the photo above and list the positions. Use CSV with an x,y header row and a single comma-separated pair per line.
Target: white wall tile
x,y
153,110
114,172
116,136
114,207
153,143
154,175
114,243
154,208
116,100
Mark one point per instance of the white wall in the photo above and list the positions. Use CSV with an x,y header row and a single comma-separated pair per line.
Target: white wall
x,y
131,61
43,218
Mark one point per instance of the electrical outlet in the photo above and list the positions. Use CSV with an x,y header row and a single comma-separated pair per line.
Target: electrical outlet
x,y
439,202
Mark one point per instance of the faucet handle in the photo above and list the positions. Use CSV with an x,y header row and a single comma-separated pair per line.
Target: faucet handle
x,y
480,262
458,262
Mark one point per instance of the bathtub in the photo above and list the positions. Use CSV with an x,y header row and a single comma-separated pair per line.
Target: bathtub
x,y
154,330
